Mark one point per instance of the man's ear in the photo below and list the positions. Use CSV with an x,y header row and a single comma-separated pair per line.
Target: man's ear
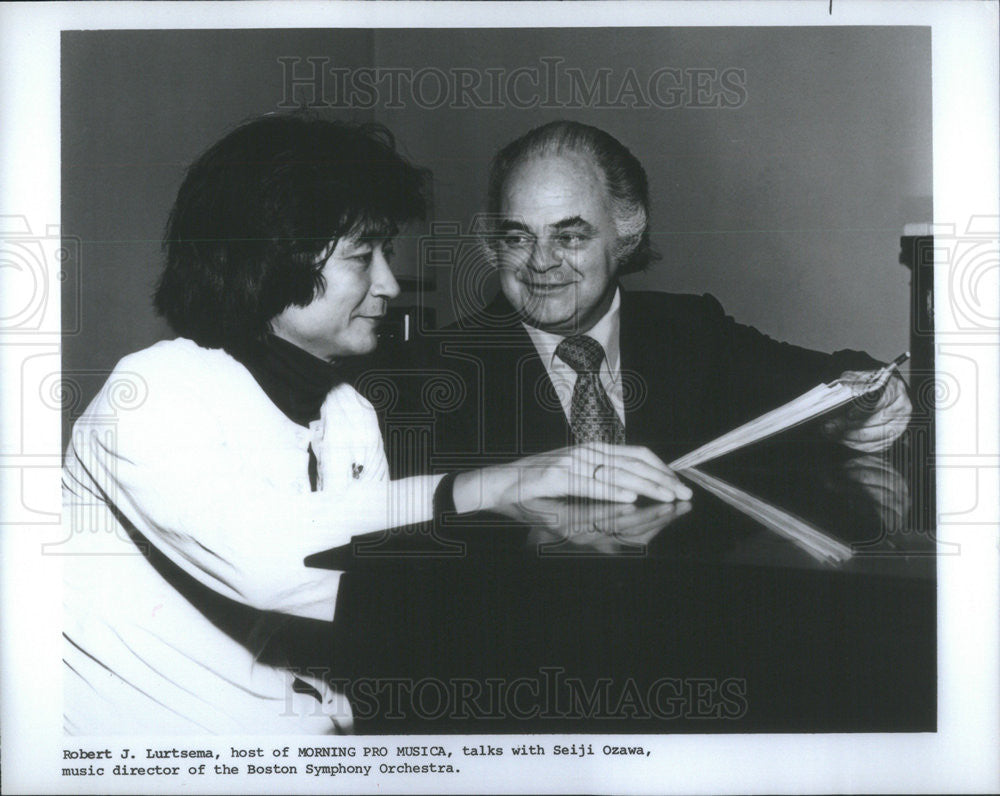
x,y
637,254
621,254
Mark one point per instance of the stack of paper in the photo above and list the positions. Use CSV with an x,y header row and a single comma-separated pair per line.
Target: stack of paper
x,y
819,400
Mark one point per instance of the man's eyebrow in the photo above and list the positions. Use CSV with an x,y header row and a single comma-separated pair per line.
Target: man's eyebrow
x,y
355,247
573,222
508,224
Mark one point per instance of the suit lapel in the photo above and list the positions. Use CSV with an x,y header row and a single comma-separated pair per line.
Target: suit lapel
x,y
669,355
535,418
640,395
651,364
543,421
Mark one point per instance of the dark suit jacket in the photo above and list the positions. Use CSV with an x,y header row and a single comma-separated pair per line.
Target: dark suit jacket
x,y
477,392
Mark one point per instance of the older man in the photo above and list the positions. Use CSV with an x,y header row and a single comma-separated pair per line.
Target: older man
x,y
565,354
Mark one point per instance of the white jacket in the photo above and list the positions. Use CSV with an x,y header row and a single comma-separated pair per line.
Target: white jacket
x,y
182,449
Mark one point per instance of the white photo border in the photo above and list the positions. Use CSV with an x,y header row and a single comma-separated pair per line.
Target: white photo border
x,y
962,756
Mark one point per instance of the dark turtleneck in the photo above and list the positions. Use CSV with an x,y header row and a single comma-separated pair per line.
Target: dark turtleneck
x,y
296,381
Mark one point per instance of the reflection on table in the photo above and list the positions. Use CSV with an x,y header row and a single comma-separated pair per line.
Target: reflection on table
x,y
567,616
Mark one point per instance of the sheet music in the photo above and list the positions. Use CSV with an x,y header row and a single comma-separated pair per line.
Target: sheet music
x,y
819,400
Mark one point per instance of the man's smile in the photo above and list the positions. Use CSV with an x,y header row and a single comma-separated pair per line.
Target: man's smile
x,y
546,286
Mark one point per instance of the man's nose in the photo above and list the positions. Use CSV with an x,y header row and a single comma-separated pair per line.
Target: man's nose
x,y
384,282
544,256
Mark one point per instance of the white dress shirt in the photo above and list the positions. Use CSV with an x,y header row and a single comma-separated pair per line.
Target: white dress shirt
x,y
183,445
606,332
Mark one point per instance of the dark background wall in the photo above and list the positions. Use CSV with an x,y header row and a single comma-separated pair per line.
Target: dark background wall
x,y
788,207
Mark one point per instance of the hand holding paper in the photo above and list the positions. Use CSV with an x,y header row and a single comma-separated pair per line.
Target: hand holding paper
x,y
872,421
877,421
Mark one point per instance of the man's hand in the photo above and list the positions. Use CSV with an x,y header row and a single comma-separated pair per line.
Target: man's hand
x,y
595,470
872,422
599,471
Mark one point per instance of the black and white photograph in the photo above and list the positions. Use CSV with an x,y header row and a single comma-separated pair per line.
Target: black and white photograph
x,y
602,402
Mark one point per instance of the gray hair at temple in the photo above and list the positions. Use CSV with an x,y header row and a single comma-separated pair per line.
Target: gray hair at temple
x,y
624,179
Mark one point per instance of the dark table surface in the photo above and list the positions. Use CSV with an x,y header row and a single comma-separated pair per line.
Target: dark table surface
x,y
693,618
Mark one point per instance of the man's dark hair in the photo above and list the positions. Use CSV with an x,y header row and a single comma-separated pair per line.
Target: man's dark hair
x,y
257,212
623,174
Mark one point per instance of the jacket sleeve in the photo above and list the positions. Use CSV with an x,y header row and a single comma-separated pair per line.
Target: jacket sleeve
x,y
767,372
166,471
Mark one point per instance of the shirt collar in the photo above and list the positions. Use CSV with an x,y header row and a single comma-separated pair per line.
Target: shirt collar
x,y
606,332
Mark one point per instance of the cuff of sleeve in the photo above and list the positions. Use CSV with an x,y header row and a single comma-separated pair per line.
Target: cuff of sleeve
x,y
444,496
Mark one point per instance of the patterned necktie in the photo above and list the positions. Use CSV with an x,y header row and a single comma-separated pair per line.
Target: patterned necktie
x,y
592,418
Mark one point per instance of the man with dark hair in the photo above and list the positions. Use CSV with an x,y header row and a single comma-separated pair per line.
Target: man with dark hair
x,y
565,354
256,212
193,507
